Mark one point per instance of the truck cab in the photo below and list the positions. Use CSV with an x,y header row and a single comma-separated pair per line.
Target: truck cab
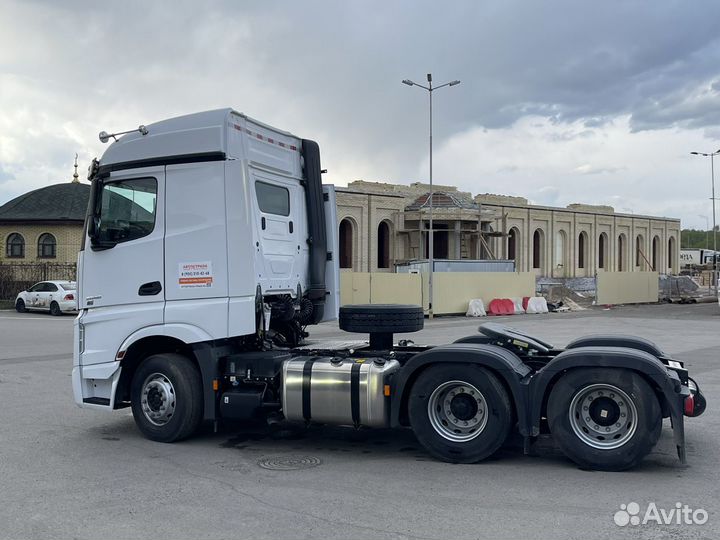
x,y
202,228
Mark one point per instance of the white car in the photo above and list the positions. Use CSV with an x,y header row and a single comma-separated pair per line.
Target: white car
x,y
57,297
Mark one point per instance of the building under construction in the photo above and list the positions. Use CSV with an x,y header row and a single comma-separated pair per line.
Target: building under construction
x,y
382,225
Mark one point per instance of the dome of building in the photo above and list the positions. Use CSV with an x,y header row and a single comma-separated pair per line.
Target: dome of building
x,y
59,202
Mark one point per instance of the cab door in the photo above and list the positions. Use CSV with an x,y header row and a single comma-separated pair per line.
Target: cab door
x,y
124,265
122,285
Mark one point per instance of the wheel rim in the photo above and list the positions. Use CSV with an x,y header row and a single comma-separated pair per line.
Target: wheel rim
x,y
603,416
457,411
157,399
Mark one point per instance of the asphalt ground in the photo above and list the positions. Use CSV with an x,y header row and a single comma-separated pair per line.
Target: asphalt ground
x,y
66,472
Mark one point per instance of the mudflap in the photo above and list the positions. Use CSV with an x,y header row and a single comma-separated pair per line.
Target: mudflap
x,y
677,421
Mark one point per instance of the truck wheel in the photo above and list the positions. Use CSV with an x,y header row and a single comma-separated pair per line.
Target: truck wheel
x,y
55,309
604,418
460,413
20,306
166,396
381,318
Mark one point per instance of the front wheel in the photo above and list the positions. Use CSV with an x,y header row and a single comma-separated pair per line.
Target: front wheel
x,y
604,418
460,413
166,397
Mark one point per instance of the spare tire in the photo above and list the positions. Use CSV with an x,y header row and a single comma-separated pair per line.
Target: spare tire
x,y
381,318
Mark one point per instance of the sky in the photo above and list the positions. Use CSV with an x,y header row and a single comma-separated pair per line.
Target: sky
x,y
559,102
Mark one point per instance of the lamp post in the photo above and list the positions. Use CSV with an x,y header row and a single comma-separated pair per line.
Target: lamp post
x,y
431,245
711,155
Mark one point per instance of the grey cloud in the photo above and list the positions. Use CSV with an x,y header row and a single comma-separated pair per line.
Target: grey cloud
x,y
546,195
5,175
589,170
690,107
332,70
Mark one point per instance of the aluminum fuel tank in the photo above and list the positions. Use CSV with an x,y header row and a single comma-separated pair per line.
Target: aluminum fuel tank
x,y
341,391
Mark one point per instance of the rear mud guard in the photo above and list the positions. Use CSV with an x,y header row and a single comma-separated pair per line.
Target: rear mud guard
x,y
665,381
506,365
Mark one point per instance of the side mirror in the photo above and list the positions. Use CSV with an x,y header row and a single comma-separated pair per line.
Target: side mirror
x,y
96,243
94,227
94,231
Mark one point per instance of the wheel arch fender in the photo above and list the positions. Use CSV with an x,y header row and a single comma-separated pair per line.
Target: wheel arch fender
x,y
509,369
665,382
186,333
478,339
153,340
616,340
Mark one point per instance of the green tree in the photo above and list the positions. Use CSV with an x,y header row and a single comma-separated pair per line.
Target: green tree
x,y
694,239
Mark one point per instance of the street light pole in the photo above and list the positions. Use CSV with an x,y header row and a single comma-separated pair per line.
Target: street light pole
x,y
712,155
431,239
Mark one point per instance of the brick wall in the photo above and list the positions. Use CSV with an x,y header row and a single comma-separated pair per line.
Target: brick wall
x,y
67,236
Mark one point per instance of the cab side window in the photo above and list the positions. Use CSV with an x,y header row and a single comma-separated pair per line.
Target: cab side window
x,y
273,199
128,209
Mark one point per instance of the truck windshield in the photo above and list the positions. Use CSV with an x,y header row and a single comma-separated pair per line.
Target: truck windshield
x,y
127,210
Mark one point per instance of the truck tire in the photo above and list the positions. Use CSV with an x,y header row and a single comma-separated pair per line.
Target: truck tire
x,y
166,397
604,418
460,413
381,318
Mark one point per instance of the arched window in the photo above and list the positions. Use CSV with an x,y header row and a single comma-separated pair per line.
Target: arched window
x,y
47,247
582,249
671,254
15,246
621,263
538,248
383,245
602,250
346,243
513,237
639,255
655,253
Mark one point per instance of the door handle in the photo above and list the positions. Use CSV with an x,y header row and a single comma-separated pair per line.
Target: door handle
x,y
262,223
150,289
290,227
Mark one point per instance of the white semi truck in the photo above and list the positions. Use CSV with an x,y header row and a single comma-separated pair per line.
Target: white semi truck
x,y
211,246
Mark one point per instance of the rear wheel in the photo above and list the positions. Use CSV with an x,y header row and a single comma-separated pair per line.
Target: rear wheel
x,y
459,412
166,397
604,418
55,309
20,306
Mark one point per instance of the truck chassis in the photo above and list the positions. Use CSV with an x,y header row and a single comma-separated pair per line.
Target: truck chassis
x,y
602,398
